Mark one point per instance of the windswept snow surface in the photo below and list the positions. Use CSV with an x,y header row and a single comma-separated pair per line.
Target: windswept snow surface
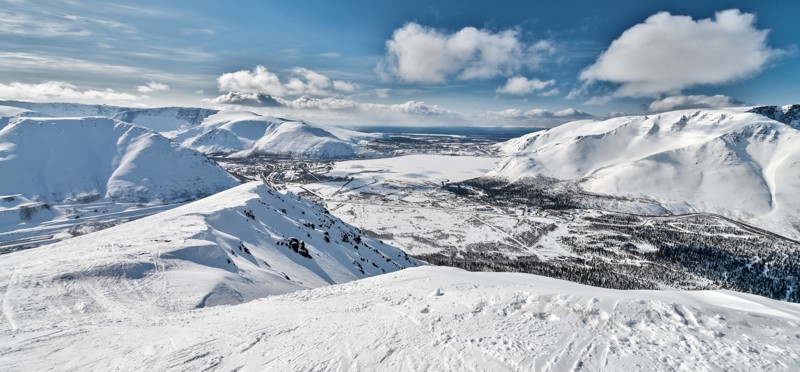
x,y
228,248
84,159
241,134
727,161
427,318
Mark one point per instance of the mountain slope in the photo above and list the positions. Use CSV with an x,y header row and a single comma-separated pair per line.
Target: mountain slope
x,y
165,119
10,113
789,114
427,318
228,248
79,159
729,162
64,109
241,134
160,119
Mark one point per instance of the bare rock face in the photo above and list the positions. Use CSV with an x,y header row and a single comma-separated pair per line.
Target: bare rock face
x,y
789,114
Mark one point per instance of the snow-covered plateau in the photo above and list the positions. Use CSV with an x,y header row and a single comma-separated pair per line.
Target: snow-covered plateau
x,y
726,161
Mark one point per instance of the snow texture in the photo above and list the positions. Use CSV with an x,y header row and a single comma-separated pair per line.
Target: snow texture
x,y
427,318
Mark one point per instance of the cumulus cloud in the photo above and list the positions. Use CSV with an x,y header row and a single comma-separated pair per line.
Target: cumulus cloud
x,y
59,90
259,80
693,101
152,86
520,85
424,55
667,53
301,81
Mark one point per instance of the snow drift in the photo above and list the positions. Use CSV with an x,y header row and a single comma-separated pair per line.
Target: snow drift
x,y
82,159
729,162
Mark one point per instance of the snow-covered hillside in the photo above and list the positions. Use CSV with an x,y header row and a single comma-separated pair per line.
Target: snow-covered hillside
x,y
161,119
166,119
726,161
63,109
427,318
789,114
81,159
232,247
240,133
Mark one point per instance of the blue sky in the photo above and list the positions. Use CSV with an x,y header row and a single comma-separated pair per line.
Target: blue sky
x,y
368,62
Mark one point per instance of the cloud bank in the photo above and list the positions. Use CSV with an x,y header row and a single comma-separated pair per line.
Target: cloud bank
x,y
668,53
693,101
419,54
301,81
61,91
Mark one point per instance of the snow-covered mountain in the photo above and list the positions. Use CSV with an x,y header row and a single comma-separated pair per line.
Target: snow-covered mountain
x,y
10,113
248,99
789,114
160,119
166,119
426,318
79,159
231,247
725,161
64,109
241,133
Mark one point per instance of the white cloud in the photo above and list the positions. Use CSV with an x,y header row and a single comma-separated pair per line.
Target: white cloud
x,y
247,99
534,117
301,81
520,85
304,103
259,80
58,90
598,100
43,64
327,103
423,55
412,107
152,86
693,101
668,53
344,86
